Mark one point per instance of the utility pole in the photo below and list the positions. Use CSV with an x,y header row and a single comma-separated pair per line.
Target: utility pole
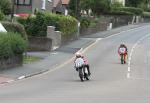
x,y
12,10
77,11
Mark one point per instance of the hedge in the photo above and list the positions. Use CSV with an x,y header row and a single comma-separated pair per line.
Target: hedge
x,y
127,10
1,16
11,44
37,25
146,14
16,28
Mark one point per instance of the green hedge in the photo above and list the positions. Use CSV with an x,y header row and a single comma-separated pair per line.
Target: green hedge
x,y
127,11
146,14
37,25
1,16
11,44
16,28
85,22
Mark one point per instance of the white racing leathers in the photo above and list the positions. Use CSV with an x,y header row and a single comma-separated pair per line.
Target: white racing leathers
x,y
79,62
122,50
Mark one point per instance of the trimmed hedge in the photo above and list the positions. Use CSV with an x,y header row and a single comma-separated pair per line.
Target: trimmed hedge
x,y
1,16
127,11
146,14
37,25
11,44
16,28
85,22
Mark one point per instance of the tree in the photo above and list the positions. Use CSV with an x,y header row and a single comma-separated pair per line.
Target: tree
x,y
5,6
97,6
134,3
74,8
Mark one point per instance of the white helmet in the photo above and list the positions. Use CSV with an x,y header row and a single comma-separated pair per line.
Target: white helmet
x,y
78,54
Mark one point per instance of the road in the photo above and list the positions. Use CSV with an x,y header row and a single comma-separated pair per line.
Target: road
x,y
110,82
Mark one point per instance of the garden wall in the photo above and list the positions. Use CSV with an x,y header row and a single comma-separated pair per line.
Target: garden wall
x,y
11,62
39,44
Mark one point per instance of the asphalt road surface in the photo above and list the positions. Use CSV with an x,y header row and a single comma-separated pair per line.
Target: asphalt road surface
x,y
111,82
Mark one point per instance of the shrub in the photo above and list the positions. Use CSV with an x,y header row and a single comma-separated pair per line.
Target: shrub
x,y
5,6
85,22
121,13
11,44
37,26
1,16
127,10
146,14
16,28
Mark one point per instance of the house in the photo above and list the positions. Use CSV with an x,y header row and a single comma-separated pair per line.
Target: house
x,y
29,6
120,1
61,6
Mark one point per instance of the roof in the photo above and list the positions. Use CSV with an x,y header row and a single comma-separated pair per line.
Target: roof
x,y
65,2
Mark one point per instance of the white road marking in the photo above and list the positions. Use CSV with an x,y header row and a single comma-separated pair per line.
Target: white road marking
x,y
128,75
21,77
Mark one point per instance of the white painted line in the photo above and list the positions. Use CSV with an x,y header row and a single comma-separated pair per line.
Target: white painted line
x,y
129,69
10,81
21,77
128,75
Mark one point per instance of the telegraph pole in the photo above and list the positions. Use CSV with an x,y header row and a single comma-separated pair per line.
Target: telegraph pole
x,y
12,10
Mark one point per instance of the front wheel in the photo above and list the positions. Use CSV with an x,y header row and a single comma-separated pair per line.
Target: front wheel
x,y
122,61
81,74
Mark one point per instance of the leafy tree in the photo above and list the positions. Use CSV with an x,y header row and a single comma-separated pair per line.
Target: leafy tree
x,y
5,6
1,15
134,3
74,8
97,6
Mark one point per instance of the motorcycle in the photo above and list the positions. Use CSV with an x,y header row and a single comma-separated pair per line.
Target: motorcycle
x,y
83,73
123,58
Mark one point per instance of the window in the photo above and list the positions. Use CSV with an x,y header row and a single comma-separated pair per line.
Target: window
x,y
23,2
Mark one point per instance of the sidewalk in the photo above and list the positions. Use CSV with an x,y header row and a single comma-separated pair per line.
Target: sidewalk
x,y
53,59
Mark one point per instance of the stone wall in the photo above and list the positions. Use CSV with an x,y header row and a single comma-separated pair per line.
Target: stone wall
x,y
39,44
118,20
102,26
11,62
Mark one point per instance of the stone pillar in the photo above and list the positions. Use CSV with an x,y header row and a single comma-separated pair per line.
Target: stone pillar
x,y
58,38
55,36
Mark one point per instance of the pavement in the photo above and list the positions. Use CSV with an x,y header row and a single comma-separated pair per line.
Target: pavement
x,y
51,60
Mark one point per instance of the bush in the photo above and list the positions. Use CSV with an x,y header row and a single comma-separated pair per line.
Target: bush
x,y
121,13
1,16
146,14
5,6
16,28
127,10
85,22
37,26
11,44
